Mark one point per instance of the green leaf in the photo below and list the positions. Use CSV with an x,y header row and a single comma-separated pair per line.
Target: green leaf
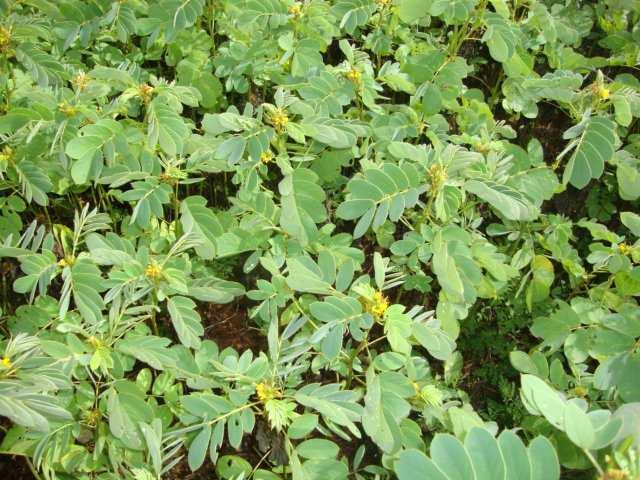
x,y
186,13
166,128
486,456
397,327
353,13
543,459
325,131
35,183
452,11
302,205
509,202
544,399
25,406
379,194
148,349
631,221
302,426
44,68
628,176
199,219
515,455
541,280
412,464
338,406
437,342
451,457
377,423
306,276
411,11
153,438
186,321
101,136
522,362
198,448
317,448
150,196
578,427
499,37
446,269
230,467
593,149
84,280
39,270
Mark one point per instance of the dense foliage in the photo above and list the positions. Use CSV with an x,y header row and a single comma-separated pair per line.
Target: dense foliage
x,y
425,207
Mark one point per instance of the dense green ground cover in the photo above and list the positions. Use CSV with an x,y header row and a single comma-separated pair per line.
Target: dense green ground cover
x,y
329,239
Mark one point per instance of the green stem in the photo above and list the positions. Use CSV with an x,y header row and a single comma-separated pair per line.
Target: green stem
x,y
152,317
594,462
34,472
363,344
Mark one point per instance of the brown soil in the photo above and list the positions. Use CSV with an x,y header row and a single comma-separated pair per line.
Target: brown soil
x,y
182,472
230,326
14,468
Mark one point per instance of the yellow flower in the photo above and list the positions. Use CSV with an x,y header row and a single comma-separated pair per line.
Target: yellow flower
x,y
92,416
6,154
266,392
615,474
95,342
624,248
603,92
153,271
145,92
579,391
5,38
266,157
354,75
68,110
80,81
379,305
279,119
438,175
383,3
67,261
172,175
295,9
6,362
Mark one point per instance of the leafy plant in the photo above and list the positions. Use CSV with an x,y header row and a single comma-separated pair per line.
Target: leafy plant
x,y
280,239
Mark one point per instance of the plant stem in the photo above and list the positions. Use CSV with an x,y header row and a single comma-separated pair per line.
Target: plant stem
x,y
594,462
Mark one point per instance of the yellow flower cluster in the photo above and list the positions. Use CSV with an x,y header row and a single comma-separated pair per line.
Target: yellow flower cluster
x,y
295,9
437,176
91,417
603,92
378,306
266,157
6,362
624,248
68,110
5,39
80,81
279,119
172,175
95,342
266,392
145,92
6,154
153,271
67,261
354,75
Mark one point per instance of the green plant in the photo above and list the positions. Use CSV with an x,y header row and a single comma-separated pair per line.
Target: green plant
x,y
378,185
